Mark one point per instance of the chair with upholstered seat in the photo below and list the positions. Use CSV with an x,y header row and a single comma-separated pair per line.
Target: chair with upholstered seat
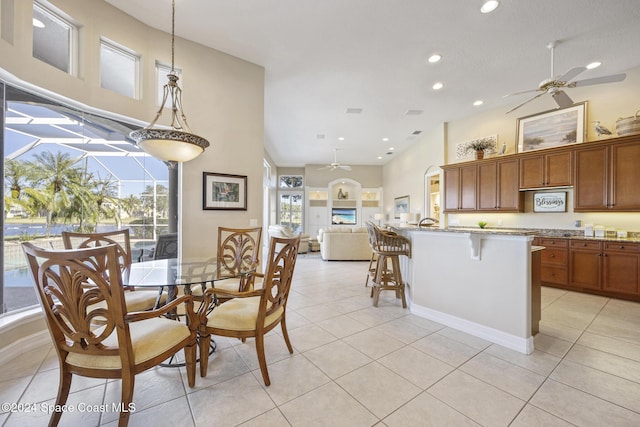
x,y
253,313
137,300
126,344
373,263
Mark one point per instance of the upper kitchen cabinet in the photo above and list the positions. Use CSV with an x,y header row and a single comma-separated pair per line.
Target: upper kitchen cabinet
x,y
498,186
607,177
545,170
460,188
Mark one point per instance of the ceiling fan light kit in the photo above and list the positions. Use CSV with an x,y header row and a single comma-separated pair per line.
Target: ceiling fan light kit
x,y
554,85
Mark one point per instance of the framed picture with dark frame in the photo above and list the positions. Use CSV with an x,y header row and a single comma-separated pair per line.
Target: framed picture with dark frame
x,y
552,128
400,205
224,192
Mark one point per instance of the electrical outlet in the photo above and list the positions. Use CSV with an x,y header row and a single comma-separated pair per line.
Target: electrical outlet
x,y
578,223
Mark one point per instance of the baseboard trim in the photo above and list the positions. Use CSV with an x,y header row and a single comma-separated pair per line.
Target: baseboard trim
x,y
519,344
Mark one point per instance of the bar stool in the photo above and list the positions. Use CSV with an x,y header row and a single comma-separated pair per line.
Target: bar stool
x,y
388,247
373,263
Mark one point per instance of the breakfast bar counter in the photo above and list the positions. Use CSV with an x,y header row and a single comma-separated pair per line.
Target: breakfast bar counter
x,y
482,282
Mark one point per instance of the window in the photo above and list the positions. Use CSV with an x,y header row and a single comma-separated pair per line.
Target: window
x,y
119,69
103,182
54,39
291,181
291,210
162,70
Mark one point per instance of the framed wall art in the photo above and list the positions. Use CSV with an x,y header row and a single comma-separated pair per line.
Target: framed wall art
x,y
550,202
552,128
400,206
224,192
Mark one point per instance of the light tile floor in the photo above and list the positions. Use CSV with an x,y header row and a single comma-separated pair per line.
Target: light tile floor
x,y
356,365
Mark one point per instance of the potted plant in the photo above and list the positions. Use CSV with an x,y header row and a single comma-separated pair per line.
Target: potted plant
x,y
479,145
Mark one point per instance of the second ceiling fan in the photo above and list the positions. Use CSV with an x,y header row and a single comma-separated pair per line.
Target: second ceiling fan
x,y
554,85
335,165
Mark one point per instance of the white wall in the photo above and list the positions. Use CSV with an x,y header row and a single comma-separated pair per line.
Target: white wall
x,y
606,103
223,98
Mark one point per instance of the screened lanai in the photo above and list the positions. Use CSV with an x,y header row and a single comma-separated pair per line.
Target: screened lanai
x,y
40,135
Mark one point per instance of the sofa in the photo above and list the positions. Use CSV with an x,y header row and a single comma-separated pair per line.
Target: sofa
x,y
344,243
278,230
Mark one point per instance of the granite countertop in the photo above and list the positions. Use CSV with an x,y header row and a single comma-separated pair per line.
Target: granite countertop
x,y
632,237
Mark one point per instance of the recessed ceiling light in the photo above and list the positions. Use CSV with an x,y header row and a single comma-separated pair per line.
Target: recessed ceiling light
x,y
391,148
478,102
38,23
489,6
385,139
341,138
379,157
594,65
434,58
438,86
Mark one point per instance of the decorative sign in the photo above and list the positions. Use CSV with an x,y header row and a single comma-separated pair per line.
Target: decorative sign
x,y
550,202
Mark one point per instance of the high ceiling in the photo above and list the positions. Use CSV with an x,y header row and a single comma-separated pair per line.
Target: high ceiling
x,y
322,58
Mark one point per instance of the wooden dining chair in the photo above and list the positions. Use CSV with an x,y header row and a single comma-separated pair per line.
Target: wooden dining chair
x,y
238,250
137,300
126,343
252,313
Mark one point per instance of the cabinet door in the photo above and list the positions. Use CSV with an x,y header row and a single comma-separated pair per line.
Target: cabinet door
x,y
585,269
451,189
509,196
621,266
590,190
488,186
532,172
558,169
625,177
468,181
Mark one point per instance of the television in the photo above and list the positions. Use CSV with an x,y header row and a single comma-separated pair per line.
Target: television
x,y
343,216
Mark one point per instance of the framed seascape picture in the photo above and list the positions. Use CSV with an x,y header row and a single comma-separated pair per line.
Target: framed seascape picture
x,y
552,128
400,205
224,192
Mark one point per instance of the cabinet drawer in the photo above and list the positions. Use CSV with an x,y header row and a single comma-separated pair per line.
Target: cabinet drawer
x,y
553,243
556,275
584,244
622,246
554,256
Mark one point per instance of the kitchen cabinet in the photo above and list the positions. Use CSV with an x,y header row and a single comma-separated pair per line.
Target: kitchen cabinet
x,y
554,261
460,188
585,266
546,170
607,177
621,264
498,189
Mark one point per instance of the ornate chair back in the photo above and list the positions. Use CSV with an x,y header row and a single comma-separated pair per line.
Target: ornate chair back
x,y
237,247
119,238
166,246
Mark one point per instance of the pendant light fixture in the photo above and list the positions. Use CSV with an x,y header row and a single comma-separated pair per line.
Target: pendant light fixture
x,y
177,144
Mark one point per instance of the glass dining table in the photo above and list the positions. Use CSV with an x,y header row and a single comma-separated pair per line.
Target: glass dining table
x,y
186,274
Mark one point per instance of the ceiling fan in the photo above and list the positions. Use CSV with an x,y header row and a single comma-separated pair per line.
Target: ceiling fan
x,y
335,165
554,85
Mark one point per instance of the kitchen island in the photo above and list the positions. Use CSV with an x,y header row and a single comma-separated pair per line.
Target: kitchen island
x,y
482,282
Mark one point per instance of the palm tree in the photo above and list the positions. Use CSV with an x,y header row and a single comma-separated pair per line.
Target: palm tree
x,y
55,179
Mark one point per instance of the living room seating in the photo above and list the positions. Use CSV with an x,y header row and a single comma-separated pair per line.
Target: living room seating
x,y
344,243
137,300
283,231
253,313
126,344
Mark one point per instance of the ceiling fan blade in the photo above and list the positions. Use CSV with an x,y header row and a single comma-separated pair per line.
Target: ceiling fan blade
x,y
528,100
562,99
520,93
598,80
571,74
345,167
324,168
